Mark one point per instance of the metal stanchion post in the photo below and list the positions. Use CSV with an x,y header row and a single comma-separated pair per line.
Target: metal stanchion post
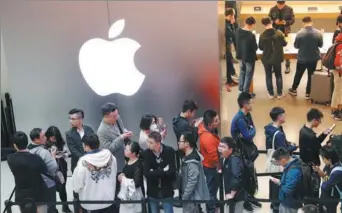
x,y
8,206
178,169
144,206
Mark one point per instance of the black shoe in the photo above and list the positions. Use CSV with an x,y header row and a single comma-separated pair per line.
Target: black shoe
x,y
287,70
292,92
256,204
66,209
248,207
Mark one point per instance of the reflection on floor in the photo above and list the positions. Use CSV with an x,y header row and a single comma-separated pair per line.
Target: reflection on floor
x,y
296,109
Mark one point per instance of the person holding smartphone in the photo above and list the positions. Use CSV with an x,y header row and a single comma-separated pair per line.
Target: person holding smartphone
x,y
310,145
55,143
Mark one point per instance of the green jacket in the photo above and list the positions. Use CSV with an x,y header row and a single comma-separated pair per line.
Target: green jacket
x,y
272,43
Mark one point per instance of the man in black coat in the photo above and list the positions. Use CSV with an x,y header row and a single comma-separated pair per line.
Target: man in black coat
x,y
232,174
160,172
310,145
74,140
27,169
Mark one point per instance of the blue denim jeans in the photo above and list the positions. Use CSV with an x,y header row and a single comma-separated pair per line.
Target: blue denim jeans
x,y
246,75
269,70
212,180
153,207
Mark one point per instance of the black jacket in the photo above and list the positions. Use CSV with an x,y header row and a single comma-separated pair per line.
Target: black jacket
x,y
233,177
27,169
74,142
159,182
271,42
286,14
310,145
180,125
230,33
246,46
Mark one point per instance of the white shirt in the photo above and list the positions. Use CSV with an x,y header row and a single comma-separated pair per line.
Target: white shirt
x,y
81,132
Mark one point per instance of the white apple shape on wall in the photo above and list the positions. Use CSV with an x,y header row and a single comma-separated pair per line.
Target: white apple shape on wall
x,y
108,66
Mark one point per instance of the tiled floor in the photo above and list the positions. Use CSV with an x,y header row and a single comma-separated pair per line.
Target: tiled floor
x,y
296,109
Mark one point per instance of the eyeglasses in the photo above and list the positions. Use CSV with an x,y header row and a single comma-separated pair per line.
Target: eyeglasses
x,y
181,141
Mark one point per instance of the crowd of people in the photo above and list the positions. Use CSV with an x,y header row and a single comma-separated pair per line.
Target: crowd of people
x,y
272,42
109,165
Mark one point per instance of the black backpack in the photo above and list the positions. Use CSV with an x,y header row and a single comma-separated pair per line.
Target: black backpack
x,y
250,180
307,185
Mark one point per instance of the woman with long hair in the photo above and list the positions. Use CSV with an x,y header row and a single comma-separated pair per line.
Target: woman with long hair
x,y
150,123
56,141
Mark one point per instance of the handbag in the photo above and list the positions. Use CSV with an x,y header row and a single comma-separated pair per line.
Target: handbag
x,y
271,165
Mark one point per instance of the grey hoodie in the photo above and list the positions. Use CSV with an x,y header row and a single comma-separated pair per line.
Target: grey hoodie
x,y
193,179
45,155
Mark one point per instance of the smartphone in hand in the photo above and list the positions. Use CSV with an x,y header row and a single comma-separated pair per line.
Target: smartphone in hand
x,y
332,127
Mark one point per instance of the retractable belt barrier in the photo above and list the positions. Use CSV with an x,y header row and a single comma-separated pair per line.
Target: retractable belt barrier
x,y
9,203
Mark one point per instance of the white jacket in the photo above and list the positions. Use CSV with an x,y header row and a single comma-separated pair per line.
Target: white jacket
x,y
94,178
129,192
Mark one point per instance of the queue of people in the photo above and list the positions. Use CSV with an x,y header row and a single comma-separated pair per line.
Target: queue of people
x,y
110,166
107,165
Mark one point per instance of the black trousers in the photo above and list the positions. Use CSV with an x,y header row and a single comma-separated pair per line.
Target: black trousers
x,y
77,206
51,197
273,195
230,70
62,189
300,69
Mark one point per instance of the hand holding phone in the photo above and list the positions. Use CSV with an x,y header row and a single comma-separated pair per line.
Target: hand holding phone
x,y
332,127
275,180
329,130
198,121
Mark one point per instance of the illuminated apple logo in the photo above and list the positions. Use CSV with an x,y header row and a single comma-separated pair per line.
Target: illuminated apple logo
x,y
108,66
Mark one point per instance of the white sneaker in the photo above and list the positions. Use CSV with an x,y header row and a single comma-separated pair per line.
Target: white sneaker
x,y
235,77
279,97
271,97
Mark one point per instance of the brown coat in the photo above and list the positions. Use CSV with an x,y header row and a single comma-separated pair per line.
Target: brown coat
x,y
285,14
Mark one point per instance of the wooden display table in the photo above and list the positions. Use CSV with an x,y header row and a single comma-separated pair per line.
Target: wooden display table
x,y
290,52
315,9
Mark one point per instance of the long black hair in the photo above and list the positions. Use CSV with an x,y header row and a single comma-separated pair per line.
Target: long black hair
x,y
54,131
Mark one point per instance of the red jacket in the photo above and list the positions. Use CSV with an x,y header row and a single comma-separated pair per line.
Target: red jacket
x,y
338,57
209,143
